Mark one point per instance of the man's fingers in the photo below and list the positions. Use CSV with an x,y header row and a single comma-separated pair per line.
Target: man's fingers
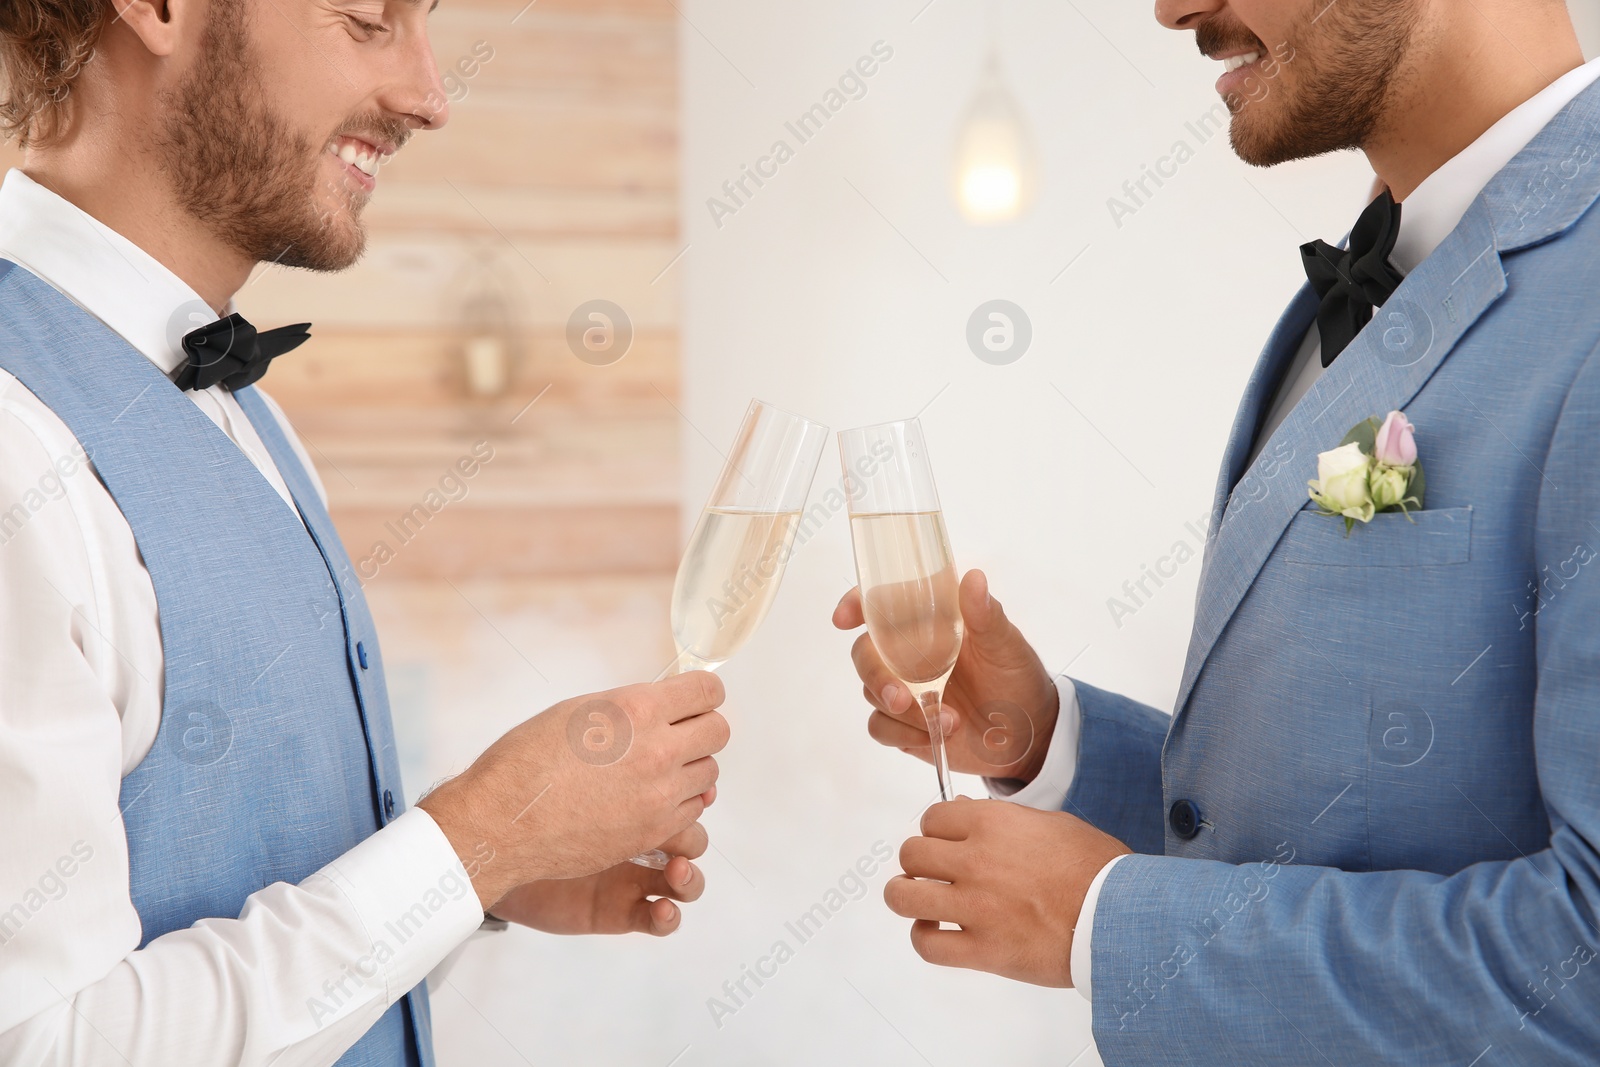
x,y
697,778
686,695
690,810
883,690
703,735
930,857
681,880
886,693
946,948
950,820
896,734
656,917
911,898
848,615
685,881
690,842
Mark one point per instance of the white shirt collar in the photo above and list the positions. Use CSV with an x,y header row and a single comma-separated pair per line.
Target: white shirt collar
x,y
98,269
1438,204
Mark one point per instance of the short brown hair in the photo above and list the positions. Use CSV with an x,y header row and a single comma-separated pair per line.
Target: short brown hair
x,y
44,45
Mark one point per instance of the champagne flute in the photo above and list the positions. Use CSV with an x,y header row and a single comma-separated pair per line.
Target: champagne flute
x,y
910,593
729,574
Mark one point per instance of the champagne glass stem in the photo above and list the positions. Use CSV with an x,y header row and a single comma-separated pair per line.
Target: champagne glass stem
x,y
932,700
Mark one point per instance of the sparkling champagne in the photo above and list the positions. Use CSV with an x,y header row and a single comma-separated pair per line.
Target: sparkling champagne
x,y
727,581
909,594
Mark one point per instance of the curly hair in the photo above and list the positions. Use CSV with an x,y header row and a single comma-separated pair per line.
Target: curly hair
x,y
44,45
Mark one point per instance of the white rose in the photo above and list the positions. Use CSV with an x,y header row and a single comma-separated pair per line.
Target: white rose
x,y
1341,484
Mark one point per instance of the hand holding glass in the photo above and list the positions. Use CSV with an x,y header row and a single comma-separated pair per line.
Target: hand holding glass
x,y
730,571
910,593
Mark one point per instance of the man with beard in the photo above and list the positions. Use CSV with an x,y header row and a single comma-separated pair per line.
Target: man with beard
x,y
1370,833
205,857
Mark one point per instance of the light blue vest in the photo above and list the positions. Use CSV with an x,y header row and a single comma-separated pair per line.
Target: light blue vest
x,y
275,753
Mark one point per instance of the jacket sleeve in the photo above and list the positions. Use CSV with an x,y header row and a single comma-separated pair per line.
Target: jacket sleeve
x,y
1196,961
1117,785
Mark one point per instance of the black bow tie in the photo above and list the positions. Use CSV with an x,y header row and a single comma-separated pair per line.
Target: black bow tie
x,y
230,351
1351,282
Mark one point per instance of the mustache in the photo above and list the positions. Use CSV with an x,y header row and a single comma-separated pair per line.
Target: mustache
x,y
378,128
1216,35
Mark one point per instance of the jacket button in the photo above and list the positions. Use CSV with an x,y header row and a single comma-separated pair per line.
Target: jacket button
x,y
1184,818
388,804
361,654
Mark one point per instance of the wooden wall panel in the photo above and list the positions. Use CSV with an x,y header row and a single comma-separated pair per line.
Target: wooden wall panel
x,y
422,279
594,55
563,214
571,140
424,368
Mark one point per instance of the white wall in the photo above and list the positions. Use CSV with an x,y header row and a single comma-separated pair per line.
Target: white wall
x,y
809,298
1586,17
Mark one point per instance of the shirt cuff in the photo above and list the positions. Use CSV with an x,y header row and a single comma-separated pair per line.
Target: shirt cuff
x,y
413,898
1048,790
1082,950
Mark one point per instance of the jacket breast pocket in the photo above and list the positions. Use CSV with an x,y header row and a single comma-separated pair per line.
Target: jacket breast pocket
x,y
1433,537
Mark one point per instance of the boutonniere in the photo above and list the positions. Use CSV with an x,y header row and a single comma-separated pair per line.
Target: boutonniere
x,y
1374,469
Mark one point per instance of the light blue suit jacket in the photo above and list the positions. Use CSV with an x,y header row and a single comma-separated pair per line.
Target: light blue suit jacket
x,y
1391,740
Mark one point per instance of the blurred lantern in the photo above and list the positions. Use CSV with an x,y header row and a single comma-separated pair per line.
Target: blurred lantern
x,y
488,365
486,319
996,173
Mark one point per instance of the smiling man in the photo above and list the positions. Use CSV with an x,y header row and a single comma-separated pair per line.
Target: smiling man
x,y
1370,832
205,857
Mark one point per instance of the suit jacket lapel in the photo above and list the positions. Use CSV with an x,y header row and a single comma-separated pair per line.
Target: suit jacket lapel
x,y
1275,358
1541,193
1381,370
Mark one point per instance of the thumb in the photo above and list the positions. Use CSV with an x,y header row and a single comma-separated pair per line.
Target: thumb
x,y
982,615
988,631
848,615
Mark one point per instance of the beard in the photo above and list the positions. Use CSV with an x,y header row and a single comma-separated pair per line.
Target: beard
x,y
244,172
1347,56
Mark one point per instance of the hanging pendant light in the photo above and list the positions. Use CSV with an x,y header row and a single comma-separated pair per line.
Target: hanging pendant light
x,y
995,170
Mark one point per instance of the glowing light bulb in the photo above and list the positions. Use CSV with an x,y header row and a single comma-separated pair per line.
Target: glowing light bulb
x,y
995,172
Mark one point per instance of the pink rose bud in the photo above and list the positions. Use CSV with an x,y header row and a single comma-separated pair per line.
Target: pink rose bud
x,y
1395,444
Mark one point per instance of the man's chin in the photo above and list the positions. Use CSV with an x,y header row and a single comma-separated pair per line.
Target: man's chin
x,y
1252,150
1263,145
325,247
331,257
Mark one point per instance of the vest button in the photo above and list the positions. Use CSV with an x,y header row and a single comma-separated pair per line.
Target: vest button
x,y
361,654
388,804
1184,818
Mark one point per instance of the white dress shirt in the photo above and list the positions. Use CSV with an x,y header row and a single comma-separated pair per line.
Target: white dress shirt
x,y
1428,216
77,608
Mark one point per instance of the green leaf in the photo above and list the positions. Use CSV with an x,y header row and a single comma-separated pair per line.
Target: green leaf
x,y
1364,434
1418,485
